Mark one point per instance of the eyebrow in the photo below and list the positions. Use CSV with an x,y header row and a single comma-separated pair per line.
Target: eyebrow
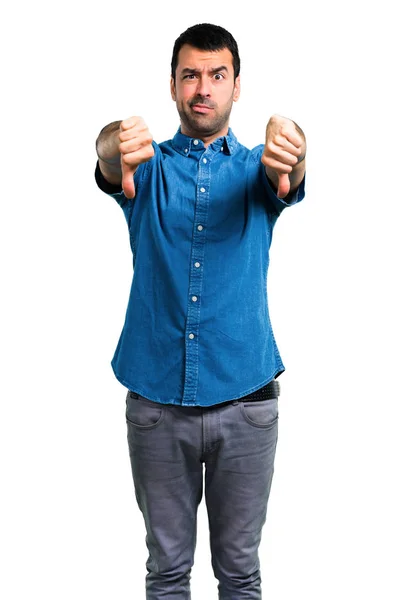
x,y
188,71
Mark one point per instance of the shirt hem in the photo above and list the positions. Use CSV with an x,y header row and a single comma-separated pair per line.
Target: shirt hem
x,y
174,402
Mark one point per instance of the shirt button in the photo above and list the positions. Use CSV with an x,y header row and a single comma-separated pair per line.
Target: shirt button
x,y
191,336
202,189
200,227
194,298
195,142
204,160
222,148
186,150
197,264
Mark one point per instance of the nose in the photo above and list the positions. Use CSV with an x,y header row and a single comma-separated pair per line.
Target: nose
x,y
204,87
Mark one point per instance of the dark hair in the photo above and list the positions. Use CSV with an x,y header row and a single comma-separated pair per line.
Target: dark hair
x,y
206,37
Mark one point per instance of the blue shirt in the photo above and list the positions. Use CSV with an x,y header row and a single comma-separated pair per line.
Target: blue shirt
x,y
197,330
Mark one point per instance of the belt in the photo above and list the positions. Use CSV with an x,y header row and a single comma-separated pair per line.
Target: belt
x,y
269,391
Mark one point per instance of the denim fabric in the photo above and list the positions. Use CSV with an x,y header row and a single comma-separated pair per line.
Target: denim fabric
x,y
197,330
168,447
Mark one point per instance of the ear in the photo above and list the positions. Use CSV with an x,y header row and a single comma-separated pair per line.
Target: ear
x,y
236,89
172,87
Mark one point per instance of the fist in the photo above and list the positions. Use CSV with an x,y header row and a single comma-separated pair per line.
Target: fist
x,y
135,148
284,146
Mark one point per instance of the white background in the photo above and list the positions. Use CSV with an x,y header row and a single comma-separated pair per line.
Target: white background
x,y
70,524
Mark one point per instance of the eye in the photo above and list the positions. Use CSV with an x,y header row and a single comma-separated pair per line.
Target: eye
x,y
190,76
218,76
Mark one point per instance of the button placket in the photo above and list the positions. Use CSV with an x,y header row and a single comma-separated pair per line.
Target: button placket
x,y
196,277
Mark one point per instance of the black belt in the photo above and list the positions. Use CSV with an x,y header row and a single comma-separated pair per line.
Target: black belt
x,y
269,391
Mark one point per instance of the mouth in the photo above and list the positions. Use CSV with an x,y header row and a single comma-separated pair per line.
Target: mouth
x,y
201,108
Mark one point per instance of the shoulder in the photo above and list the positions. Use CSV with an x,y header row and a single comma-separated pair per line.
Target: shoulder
x,y
256,153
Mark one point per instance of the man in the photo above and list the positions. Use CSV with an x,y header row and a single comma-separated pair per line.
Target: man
x,y
197,352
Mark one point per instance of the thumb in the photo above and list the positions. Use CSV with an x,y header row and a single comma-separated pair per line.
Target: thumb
x,y
283,185
127,180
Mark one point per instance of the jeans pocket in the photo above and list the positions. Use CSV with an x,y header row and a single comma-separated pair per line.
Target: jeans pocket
x,y
143,413
260,413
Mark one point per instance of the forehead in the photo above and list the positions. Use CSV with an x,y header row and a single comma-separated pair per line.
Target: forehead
x,y
193,58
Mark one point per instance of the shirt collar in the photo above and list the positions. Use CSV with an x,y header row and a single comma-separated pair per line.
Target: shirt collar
x,y
185,144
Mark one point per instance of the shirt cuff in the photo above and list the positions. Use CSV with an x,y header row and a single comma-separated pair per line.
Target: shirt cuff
x,y
289,200
292,197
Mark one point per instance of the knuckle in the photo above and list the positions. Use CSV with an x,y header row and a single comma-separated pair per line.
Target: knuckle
x,y
129,123
150,152
130,159
270,146
126,124
285,131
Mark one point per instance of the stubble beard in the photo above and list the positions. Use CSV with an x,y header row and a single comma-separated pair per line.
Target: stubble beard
x,y
204,125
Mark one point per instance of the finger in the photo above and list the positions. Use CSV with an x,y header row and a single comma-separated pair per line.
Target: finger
x,y
285,144
134,159
130,146
292,136
136,143
283,185
127,180
277,165
129,123
132,132
287,157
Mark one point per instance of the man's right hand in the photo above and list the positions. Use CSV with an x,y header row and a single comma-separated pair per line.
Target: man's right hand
x,y
135,148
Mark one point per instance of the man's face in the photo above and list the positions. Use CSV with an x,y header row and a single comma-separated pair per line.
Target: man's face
x,y
204,90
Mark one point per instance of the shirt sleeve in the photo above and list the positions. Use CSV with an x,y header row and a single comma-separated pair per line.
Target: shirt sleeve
x,y
116,191
275,204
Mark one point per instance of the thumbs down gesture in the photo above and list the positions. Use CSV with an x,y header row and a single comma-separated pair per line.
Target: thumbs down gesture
x,y
135,148
284,153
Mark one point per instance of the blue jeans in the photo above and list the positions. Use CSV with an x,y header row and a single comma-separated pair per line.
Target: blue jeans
x,y
168,445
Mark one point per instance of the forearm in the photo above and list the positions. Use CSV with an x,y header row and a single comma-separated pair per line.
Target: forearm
x,y
107,148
